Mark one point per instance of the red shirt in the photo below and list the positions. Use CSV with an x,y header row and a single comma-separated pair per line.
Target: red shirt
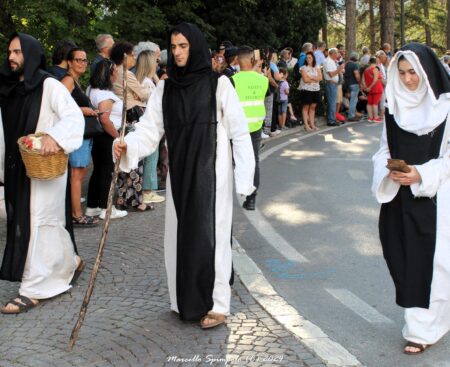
x,y
369,75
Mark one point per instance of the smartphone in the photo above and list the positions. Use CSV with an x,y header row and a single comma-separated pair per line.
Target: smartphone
x,y
398,165
257,55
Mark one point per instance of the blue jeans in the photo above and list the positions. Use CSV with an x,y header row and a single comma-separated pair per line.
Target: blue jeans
x,y
354,91
150,174
331,93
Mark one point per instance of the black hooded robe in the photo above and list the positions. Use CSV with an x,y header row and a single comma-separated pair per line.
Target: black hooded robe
x,y
199,197
20,104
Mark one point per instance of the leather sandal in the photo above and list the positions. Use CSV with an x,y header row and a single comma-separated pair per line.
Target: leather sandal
x,y
421,348
217,317
84,221
23,305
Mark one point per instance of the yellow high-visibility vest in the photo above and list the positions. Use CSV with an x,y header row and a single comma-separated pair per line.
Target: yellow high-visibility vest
x,y
251,88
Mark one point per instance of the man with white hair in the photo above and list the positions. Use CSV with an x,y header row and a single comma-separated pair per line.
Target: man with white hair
x,y
104,44
307,47
364,60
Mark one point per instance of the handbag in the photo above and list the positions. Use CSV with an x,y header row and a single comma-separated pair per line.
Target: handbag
x,y
92,127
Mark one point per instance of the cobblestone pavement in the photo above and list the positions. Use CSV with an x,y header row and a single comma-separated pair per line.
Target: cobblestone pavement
x,y
129,322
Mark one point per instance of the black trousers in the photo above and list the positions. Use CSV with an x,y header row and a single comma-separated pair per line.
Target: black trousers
x,y
100,181
256,142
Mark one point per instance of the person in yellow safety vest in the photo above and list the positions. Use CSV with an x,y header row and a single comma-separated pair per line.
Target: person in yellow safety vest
x,y
251,88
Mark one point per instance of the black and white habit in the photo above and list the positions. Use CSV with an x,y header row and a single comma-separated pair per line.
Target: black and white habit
x,y
40,251
414,221
200,113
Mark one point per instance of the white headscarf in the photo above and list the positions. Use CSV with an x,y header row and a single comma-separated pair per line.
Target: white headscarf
x,y
417,112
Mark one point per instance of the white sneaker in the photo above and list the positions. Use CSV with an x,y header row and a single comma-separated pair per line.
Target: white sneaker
x,y
264,136
93,212
115,213
275,133
153,197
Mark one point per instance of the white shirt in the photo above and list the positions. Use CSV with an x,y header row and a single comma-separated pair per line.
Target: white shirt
x,y
329,65
98,95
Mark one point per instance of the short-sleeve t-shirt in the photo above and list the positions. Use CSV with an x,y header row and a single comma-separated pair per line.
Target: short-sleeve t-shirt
x,y
97,96
349,74
274,67
284,87
329,65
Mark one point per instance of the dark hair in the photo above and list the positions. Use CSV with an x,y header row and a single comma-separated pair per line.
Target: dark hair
x,y
244,50
61,50
314,58
71,53
119,49
401,58
283,71
101,76
339,46
372,60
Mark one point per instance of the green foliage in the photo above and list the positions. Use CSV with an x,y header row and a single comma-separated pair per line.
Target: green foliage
x,y
256,22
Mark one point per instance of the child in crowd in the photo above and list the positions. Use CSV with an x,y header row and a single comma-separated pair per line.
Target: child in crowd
x,y
284,99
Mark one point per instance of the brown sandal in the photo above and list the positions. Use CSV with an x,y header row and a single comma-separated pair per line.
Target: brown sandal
x,y
217,317
23,305
421,348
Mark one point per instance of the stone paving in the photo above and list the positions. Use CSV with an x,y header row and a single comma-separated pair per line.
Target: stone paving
x,y
129,322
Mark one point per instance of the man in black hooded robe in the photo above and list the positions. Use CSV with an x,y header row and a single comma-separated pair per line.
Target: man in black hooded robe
x,y
40,251
200,113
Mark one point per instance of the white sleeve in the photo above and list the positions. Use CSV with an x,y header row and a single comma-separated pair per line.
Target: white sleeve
x,y
68,127
383,187
235,123
433,173
149,130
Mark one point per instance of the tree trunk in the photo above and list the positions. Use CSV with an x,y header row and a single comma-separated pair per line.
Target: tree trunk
x,y
372,27
448,24
426,14
350,27
387,18
325,26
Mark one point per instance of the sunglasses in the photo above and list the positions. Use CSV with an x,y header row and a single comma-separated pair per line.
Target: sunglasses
x,y
82,61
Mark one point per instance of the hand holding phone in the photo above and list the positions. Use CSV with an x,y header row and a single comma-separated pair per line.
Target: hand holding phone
x,y
398,165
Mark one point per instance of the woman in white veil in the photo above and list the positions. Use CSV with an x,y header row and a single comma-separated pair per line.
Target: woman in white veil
x,y
414,222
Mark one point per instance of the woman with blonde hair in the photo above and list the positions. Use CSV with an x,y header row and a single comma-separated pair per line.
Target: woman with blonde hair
x,y
146,65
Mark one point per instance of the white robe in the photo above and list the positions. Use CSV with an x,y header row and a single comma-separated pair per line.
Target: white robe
x,y
425,326
51,259
231,125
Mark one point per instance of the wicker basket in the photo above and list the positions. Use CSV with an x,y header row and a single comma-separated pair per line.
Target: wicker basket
x,y
42,167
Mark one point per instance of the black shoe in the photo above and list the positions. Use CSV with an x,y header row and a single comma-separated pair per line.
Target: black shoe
x,y
249,202
332,124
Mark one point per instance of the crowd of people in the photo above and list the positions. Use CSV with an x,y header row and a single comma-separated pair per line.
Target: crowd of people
x,y
210,110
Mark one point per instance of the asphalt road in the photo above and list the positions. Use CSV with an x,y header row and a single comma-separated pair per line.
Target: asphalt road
x,y
315,238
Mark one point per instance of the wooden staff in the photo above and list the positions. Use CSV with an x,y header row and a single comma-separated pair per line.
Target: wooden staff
x,y
101,246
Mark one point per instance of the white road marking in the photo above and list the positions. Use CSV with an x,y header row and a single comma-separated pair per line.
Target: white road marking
x,y
358,306
332,353
272,236
357,175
